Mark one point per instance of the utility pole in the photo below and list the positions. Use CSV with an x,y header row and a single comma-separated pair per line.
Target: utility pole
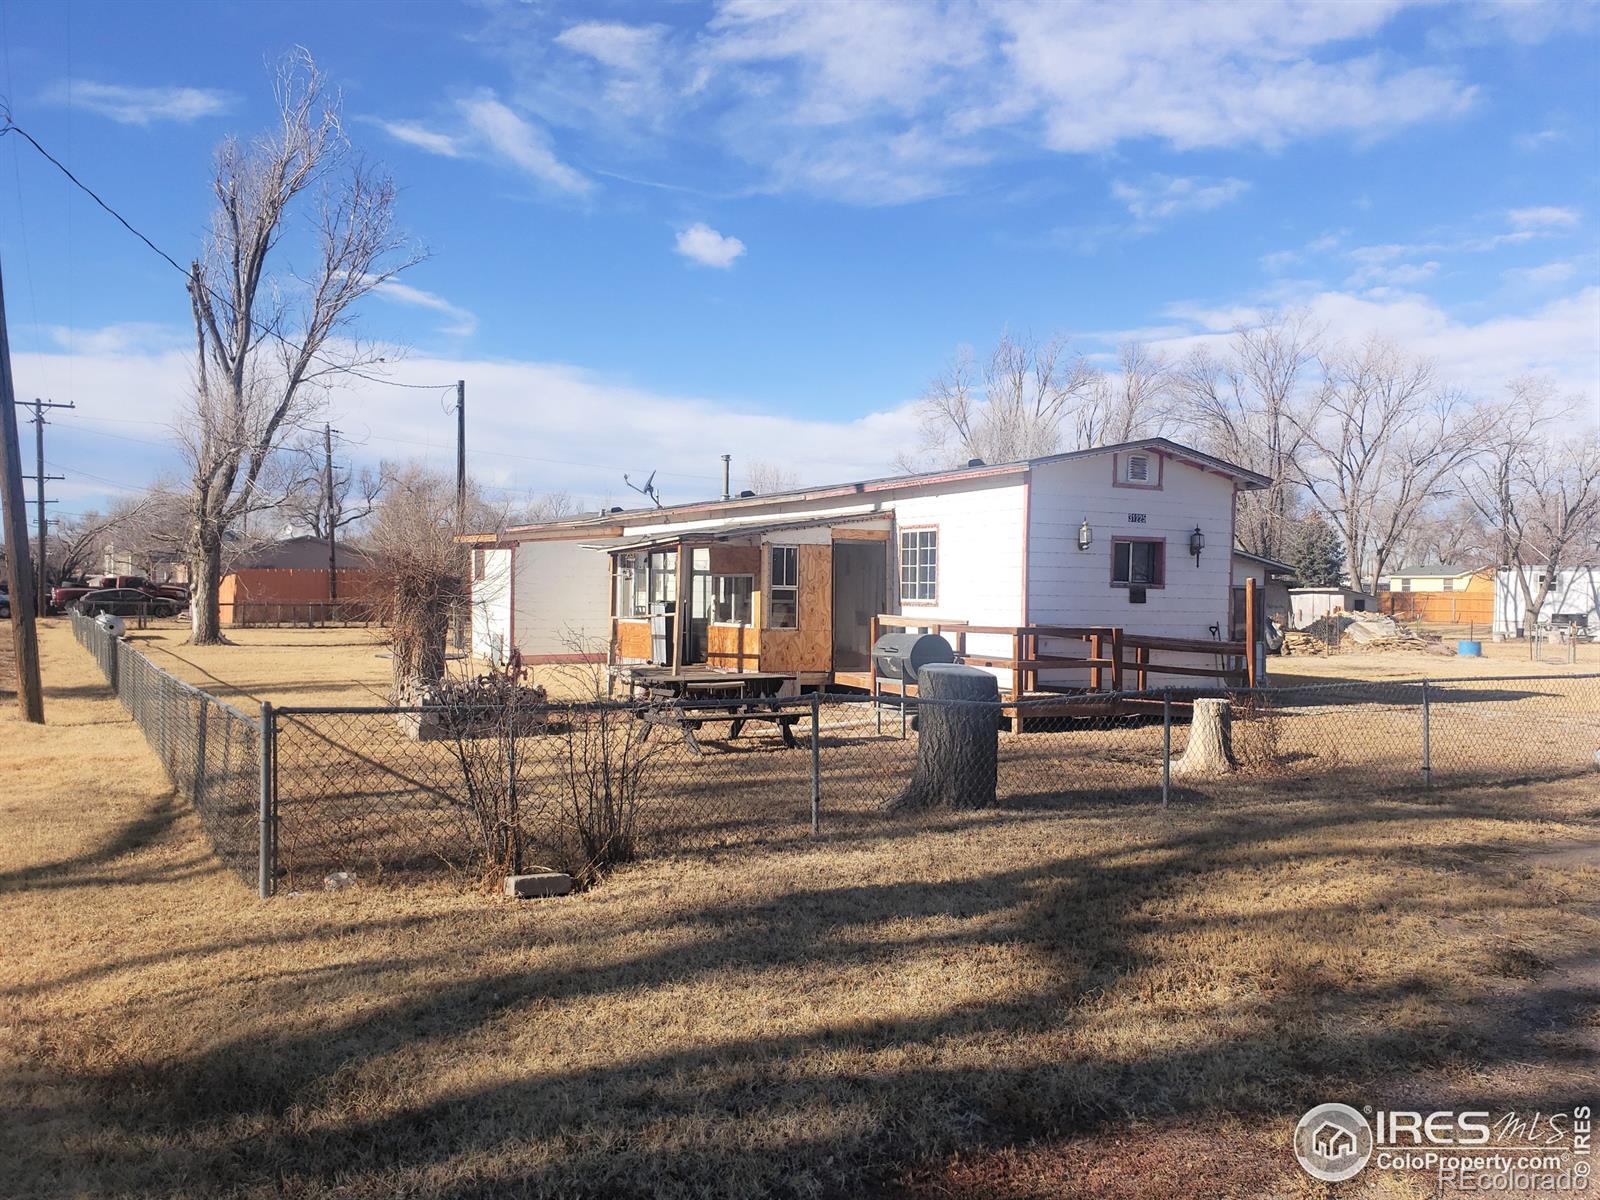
x,y
24,630
327,484
461,499
40,478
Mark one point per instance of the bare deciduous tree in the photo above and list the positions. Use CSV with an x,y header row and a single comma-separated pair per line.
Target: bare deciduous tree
x,y
1012,408
764,478
1131,404
1250,404
268,343
547,506
1537,486
315,508
1384,444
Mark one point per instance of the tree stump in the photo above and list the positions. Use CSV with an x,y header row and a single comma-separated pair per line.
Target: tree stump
x,y
958,745
1210,748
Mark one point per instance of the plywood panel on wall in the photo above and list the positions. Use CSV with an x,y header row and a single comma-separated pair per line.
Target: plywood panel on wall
x,y
633,640
735,560
810,647
736,647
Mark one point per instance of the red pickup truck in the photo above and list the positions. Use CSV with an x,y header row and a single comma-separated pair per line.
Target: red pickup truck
x,y
63,597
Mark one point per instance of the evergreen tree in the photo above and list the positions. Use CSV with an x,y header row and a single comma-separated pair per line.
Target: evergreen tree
x,y
1316,553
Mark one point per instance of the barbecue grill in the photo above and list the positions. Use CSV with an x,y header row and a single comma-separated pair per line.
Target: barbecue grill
x,y
900,655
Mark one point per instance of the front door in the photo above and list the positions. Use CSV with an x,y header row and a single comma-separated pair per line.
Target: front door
x,y
858,575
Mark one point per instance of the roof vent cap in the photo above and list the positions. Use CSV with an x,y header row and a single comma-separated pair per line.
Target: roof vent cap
x,y
976,462
746,494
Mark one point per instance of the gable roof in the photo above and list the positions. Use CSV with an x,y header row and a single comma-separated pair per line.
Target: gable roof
x,y
1274,567
594,523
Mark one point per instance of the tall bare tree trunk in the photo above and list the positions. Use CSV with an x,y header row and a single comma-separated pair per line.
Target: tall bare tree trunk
x,y
205,615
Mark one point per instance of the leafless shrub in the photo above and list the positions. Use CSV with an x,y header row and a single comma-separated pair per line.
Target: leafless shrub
x,y
1258,736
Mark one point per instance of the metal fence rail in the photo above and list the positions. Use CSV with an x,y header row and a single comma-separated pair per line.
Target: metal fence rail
x,y
382,792
210,750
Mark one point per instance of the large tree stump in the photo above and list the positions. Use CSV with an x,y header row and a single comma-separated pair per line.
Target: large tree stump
x,y
957,744
1210,748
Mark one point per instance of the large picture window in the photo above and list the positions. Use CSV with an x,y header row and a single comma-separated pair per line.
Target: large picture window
x,y
919,565
1137,563
783,587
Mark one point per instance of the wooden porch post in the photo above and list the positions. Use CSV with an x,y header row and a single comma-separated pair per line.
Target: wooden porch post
x,y
1096,650
1116,658
680,614
1251,633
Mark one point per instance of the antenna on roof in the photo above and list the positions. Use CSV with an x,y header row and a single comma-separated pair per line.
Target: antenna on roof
x,y
648,490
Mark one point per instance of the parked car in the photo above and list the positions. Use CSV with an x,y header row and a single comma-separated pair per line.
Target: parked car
x,y
126,602
65,595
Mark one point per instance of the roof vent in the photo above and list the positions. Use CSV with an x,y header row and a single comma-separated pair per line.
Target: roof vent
x,y
976,462
746,494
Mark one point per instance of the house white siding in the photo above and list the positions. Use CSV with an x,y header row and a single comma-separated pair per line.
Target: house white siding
x,y
491,603
981,534
1574,598
562,600
1068,586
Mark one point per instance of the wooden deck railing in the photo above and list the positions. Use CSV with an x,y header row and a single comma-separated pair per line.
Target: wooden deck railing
x,y
1114,659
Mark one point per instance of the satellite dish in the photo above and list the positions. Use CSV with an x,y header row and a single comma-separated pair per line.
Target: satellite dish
x,y
112,624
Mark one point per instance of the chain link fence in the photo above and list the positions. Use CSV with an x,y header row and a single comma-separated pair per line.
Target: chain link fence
x,y
387,792
210,750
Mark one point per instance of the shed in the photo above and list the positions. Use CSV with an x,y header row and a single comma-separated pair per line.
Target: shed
x,y
1308,604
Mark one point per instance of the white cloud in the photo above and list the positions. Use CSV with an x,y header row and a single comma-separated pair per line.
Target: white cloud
x,y
1548,275
124,337
1543,218
519,142
462,323
421,137
1538,139
702,244
142,105
904,99
1163,196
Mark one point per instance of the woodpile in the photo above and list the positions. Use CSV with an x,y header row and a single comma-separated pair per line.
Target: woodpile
x,y
1361,633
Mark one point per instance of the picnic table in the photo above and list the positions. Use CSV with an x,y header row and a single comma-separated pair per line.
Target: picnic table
x,y
685,701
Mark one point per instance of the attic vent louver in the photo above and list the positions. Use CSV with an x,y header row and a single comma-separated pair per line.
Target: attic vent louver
x,y
1138,468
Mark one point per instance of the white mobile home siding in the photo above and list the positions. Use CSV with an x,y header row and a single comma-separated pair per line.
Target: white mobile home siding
x,y
981,528
1574,593
491,604
562,600
1068,586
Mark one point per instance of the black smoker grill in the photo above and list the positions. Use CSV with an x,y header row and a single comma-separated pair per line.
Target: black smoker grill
x,y
900,655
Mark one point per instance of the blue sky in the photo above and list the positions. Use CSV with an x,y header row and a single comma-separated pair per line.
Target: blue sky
x,y
659,233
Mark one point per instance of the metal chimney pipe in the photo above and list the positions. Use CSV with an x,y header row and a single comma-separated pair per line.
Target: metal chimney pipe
x,y
727,492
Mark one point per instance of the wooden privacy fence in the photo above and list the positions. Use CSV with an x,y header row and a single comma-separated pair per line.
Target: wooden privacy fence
x,y
1454,608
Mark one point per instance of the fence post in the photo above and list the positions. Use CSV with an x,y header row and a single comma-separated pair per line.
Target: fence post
x,y
1166,745
202,720
816,762
265,864
512,808
1427,734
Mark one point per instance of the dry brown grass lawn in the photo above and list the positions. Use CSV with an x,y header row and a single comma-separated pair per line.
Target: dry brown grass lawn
x,y
1498,658
1064,1001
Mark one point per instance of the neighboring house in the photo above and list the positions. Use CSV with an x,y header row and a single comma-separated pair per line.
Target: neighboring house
x,y
793,582
1574,598
1452,594
1309,604
1269,575
287,581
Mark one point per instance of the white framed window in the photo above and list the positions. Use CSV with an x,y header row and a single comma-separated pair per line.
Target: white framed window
x,y
919,566
783,587
1449,584
730,599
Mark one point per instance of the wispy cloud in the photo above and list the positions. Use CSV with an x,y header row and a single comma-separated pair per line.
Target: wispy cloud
x,y
461,322
1163,196
702,244
142,105
520,143
420,136
1544,218
1547,275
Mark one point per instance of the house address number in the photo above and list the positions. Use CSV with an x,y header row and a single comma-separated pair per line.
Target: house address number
x,y
1135,518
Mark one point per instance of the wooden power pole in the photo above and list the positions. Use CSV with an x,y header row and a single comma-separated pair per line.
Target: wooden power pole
x,y
327,484
41,559
19,573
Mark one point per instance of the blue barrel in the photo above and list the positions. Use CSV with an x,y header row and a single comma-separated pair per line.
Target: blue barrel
x,y
1469,649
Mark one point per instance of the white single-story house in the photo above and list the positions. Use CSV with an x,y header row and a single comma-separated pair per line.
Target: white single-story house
x,y
1308,604
1127,541
1573,600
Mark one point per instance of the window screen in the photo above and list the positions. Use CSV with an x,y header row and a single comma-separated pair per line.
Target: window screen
x,y
1140,564
783,587
919,564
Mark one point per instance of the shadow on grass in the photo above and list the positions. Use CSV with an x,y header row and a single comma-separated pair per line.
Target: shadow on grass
x,y
829,1105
